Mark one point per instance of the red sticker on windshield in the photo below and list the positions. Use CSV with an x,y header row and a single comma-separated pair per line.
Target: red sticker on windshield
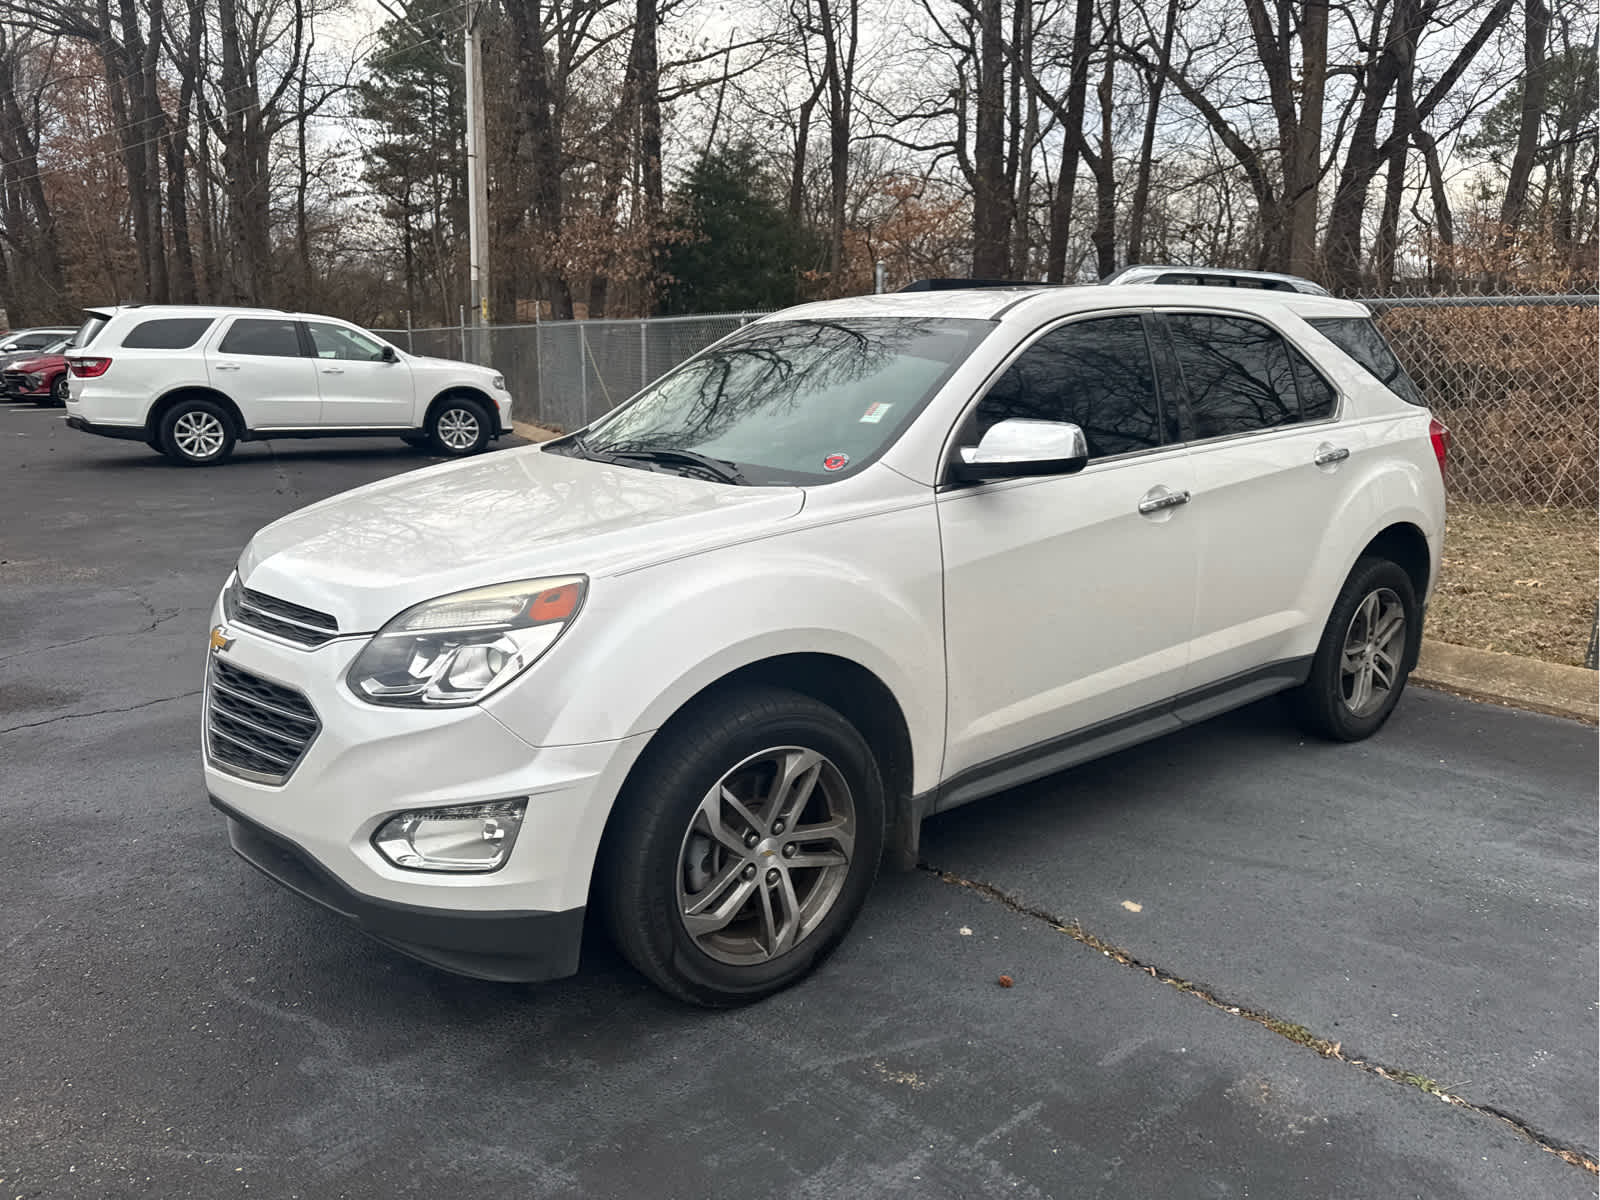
x,y
836,462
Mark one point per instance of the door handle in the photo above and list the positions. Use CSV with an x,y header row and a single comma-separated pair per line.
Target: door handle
x,y
227,366
1328,455
333,370
1156,500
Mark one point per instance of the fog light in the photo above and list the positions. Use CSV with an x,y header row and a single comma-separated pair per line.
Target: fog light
x,y
468,837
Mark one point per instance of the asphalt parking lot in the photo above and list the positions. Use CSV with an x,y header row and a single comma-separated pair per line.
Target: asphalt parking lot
x,y
175,1025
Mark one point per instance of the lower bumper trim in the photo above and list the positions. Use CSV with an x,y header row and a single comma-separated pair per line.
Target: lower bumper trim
x,y
132,433
503,946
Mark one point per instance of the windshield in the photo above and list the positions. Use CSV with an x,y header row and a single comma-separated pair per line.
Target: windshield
x,y
790,401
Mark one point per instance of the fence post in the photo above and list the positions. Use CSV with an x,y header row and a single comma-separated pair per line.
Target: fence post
x,y
462,310
583,371
644,354
1592,659
411,342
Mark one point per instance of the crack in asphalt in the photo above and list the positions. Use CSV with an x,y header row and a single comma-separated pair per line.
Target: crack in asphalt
x,y
158,621
1298,1034
100,712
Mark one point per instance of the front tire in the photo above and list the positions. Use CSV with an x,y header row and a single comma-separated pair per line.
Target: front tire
x,y
459,426
197,433
1364,659
745,843
58,391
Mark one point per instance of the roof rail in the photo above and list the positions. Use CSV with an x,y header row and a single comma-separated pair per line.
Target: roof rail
x,y
949,285
1272,281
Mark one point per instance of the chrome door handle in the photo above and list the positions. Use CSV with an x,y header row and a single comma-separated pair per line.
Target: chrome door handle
x,y
1328,455
1156,502
227,366
333,370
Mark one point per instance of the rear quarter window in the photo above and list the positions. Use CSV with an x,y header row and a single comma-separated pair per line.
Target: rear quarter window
x,y
1360,338
168,333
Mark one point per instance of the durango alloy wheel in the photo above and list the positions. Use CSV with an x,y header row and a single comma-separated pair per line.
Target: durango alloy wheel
x,y
1367,650
744,845
197,433
459,427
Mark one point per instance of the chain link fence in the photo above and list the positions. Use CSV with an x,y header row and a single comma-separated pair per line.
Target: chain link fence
x,y
565,374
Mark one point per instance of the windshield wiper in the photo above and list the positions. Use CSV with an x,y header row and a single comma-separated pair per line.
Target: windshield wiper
x,y
720,467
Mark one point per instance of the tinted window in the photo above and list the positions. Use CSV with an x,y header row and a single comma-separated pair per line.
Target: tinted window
x,y
270,336
1237,373
88,330
1317,397
1359,338
173,333
1096,374
335,341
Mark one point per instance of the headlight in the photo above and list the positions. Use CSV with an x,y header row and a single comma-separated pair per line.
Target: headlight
x,y
499,383
230,594
459,648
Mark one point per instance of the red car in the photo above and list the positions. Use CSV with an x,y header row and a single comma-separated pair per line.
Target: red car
x,y
42,379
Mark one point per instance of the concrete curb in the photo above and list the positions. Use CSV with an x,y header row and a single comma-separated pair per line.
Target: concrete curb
x,y
1508,679
534,433
1553,688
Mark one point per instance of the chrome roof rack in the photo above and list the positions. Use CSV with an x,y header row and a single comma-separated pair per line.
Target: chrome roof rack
x,y
1272,281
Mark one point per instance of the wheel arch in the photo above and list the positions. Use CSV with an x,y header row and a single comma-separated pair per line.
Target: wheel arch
x,y
850,689
1404,544
169,400
466,392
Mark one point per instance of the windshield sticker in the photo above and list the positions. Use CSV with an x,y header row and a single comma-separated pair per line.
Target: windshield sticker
x,y
836,462
875,413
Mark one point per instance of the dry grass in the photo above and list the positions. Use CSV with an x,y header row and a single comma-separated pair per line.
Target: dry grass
x,y
1519,580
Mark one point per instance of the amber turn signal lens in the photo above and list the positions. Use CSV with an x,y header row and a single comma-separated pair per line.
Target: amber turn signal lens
x,y
555,605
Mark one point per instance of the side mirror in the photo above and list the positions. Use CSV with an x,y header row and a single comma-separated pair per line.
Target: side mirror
x,y
1018,448
389,355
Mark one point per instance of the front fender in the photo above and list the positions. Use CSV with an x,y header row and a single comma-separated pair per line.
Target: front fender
x,y
649,640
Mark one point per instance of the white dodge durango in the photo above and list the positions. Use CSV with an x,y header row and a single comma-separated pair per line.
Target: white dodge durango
x,y
702,664
191,381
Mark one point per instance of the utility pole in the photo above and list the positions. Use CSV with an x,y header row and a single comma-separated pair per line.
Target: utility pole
x,y
477,183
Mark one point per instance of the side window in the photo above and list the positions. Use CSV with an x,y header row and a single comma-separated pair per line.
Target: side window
x,y
1096,374
335,341
1317,397
272,336
175,333
1361,339
1237,372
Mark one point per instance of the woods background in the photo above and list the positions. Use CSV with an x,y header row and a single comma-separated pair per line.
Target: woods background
x,y
688,155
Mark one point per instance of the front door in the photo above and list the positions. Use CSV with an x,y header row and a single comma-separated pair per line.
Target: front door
x,y
1069,599
259,363
359,389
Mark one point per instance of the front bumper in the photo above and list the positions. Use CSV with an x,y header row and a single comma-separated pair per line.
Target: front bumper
x,y
313,831
507,947
132,433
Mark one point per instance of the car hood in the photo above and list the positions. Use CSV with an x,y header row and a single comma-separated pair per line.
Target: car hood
x,y
365,555
36,362
450,364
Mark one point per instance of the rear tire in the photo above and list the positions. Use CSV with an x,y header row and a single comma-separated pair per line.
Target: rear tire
x,y
743,846
458,426
197,433
1364,659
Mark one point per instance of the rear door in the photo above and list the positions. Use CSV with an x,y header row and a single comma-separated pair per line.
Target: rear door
x,y
262,365
1267,454
359,388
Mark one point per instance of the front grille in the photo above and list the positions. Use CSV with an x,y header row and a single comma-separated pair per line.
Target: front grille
x,y
16,381
256,729
292,622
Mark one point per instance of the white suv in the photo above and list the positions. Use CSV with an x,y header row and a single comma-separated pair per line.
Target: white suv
x,y
701,663
191,381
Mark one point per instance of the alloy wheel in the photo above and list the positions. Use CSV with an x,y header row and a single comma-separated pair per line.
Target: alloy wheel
x,y
198,434
458,428
1374,645
766,855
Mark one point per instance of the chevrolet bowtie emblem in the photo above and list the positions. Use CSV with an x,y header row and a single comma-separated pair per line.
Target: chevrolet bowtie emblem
x,y
220,640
